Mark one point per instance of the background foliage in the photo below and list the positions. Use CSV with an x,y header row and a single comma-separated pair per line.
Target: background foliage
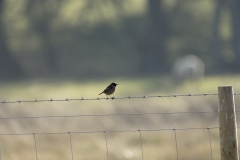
x,y
104,38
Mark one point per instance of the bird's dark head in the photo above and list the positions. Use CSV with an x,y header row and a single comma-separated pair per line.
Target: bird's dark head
x,y
114,84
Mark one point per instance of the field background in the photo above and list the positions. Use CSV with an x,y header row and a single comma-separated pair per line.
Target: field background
x,y
192,144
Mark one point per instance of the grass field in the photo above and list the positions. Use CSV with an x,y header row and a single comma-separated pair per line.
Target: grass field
x,y
192,144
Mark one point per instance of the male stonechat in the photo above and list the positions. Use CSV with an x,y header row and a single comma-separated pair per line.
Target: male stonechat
x,y
110,89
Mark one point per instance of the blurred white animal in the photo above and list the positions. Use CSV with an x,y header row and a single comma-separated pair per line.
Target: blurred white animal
x,y
188,67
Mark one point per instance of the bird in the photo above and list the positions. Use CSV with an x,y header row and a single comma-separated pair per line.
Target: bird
x,y
110,89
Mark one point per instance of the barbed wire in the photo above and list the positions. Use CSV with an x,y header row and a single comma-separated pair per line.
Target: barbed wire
x,y
113,98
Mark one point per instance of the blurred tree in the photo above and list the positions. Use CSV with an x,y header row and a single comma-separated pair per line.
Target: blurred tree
x,y
235,11
83,37
9,68
216,46
152,49
41,14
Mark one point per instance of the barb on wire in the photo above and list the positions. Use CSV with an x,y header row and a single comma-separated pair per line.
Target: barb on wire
x,y
113,98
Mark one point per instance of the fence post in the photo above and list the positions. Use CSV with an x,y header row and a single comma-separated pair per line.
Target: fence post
x,y
227,123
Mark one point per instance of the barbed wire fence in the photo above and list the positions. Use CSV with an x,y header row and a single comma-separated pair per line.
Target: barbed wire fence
x,y
112,98
105,132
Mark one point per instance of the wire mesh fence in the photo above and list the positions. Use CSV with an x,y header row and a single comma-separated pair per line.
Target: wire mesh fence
x,y
105,137
106,132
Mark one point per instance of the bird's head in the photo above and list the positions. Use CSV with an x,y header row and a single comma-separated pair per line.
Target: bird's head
x,y
114,84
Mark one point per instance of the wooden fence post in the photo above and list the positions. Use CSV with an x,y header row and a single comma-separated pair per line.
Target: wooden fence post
x,y
227,123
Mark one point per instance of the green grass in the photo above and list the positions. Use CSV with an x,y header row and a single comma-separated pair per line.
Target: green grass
x,y
127,86
156,145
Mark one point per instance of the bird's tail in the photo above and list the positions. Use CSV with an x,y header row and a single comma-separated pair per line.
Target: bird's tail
x,y
100,93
